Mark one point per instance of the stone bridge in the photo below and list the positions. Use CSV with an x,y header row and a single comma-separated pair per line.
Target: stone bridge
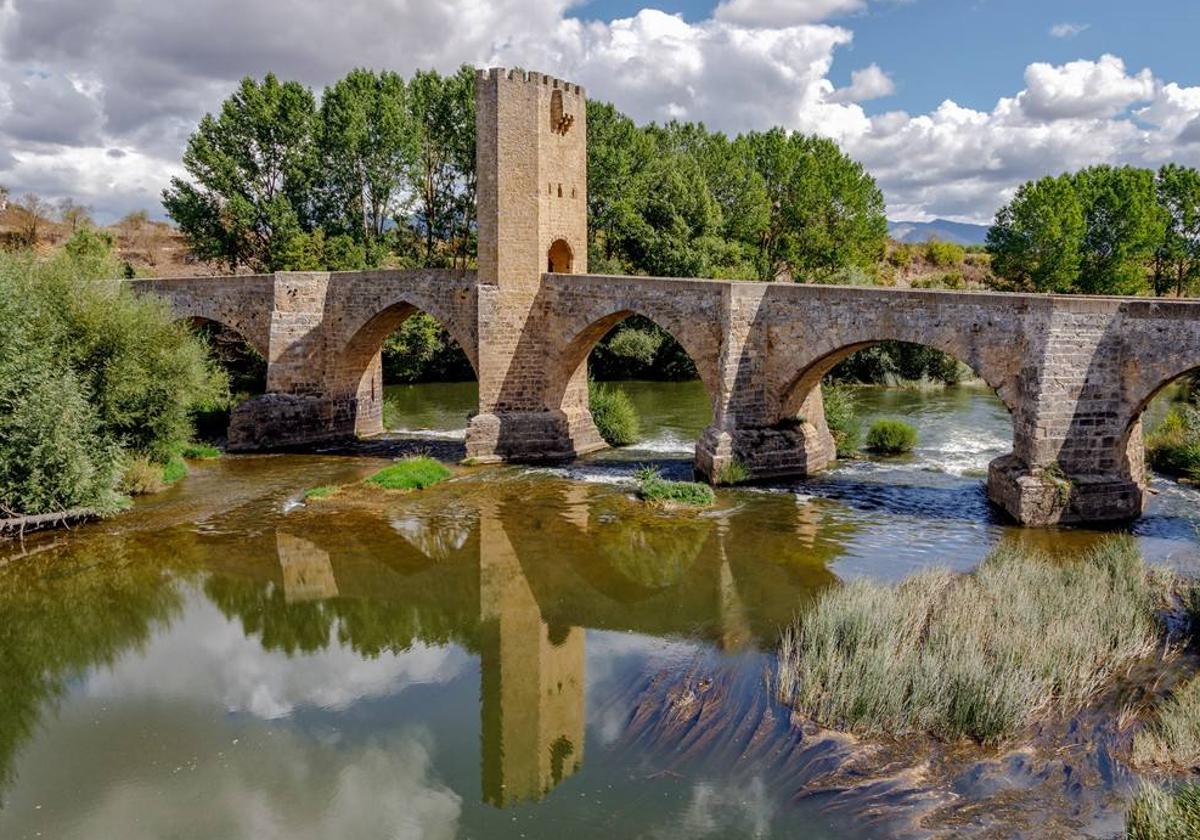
x,y
1075,372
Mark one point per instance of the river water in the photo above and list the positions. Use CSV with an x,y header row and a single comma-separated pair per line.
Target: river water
x,y
518,652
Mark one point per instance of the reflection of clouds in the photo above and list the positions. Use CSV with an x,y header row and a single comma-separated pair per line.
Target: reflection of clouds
x,y
380,790
614,661
727,811
435,536
207,657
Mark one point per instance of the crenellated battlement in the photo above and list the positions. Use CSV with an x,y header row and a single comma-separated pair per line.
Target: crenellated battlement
x,y
531,77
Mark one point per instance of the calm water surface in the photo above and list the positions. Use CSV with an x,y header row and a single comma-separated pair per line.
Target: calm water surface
x,y
515,653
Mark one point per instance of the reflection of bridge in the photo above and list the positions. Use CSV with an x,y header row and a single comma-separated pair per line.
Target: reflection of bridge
x,y
1076,373
521,593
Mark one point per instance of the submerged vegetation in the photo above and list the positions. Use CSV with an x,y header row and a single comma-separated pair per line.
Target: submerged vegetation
x,y
92,379
652,487
614,415
977,655
413,473
891,437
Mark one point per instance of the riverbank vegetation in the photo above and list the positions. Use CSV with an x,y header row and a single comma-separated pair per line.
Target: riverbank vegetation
x,y
1158,814
1173,447
888,436
842,420
93,381
978,655
412,473
614,414
653,488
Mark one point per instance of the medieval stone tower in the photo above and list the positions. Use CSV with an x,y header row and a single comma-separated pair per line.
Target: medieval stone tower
x,y
531,157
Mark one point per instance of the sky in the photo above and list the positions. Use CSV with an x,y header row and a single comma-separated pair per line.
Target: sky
x,y
950,104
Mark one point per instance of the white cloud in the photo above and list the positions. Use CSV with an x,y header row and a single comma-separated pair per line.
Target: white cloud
x,y
777,13
1083,89
1068,30
868,83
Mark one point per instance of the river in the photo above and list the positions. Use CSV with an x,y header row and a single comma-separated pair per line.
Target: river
x,y
518,652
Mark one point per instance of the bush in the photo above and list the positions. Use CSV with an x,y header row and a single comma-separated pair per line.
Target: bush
x,y
90,375
891,437
652,487
841,418
979,655
142,476
614,415
174,469
1157,814
944,254
413,473
1173,448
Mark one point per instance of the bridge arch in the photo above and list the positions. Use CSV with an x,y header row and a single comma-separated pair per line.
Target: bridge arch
x,y
246,326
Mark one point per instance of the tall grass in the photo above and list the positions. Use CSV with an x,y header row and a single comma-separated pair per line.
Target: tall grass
x,y
842,420
1158,814
1173,448
652,487
976,655
614,415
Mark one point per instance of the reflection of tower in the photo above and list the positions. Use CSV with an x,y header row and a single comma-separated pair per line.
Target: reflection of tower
x,y
307,572
532,681
735,619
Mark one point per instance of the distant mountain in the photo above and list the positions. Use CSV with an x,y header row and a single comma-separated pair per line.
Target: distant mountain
x,y
944,230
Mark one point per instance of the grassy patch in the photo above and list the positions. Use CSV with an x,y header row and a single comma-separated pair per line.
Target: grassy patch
x,y
891,437
652,487
1172,738
614,415
141,477
735,472
841,416
414,473
977,655
1173,448
174,469
200,452
1158,814
322,492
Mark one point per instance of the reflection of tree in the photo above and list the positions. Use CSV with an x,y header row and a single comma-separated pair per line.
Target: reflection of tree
x,y
646,547
58,618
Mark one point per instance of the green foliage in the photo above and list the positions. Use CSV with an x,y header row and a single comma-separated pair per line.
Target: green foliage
x,y
891,437
1157,814
614,415
1177,260
841,416
200,452
88,372
322,492
898,362
1036,241
653,488
413,473
174,469
1173,448
423,351
980,655
734,472
1123,226
141,476
637,348
944,254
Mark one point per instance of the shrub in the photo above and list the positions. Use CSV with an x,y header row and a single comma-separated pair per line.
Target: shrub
x,y
1173,448
322,492
200,452
979,655
841,418
614,415
636,345
652,487
1157,814
413,473
174,469
891,437
944,254
142,476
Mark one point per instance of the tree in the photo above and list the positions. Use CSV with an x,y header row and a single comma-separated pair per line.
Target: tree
x,y
1037,238
368,143
74,215
442,176
34,210
252,170
1124,226
1177,260
618,153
